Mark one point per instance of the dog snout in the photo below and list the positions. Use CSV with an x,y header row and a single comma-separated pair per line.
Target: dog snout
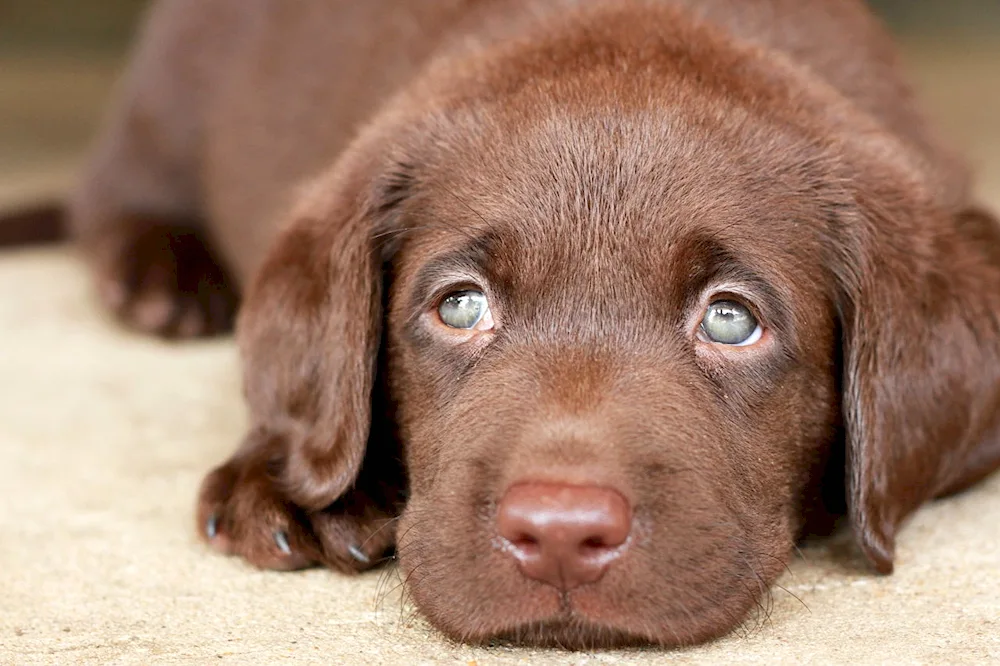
x,y
564,535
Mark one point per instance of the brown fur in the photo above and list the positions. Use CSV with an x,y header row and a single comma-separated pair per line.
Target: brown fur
x,y
31,224
599,169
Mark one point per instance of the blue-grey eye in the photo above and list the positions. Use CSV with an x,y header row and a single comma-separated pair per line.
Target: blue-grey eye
x,y
464,309
730,323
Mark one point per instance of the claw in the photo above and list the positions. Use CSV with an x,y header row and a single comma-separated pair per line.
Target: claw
x,y
212,526
281,540
358,554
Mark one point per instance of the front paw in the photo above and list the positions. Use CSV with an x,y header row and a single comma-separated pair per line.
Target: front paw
x,y
243,511
163,278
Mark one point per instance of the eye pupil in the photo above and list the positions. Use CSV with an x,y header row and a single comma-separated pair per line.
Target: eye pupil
x,y
463,309
729,323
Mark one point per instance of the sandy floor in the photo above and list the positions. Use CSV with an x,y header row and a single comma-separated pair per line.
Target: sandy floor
x,y
104,437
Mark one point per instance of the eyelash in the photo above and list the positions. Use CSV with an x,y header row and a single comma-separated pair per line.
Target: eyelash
x,y
736,298
439,294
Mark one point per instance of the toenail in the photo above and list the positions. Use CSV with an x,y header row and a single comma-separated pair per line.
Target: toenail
x,y
358,554
281,539
212,526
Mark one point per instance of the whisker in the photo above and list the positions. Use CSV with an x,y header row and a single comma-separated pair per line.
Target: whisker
x,y
794,596
784,563
379,529
466,205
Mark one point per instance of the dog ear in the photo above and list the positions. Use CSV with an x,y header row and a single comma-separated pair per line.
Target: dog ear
x,y
311,326
921,395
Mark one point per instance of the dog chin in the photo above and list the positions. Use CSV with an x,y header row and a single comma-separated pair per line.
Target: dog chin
x,y
569,629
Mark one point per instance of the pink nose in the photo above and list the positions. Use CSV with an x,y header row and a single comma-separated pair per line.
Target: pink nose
x,y
564,535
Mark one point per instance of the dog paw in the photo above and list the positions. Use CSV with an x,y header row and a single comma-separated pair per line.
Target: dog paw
x,y
242,511
161,278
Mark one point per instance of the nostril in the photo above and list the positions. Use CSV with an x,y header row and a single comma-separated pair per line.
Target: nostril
x,y
595,543
525,543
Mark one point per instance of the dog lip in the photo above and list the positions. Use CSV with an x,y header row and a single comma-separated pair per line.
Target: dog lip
x,y
569,629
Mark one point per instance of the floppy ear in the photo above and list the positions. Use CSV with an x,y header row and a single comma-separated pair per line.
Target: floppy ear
x,y
922,364
311,326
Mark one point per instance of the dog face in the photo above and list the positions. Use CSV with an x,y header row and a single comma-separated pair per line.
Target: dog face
x,y
637,321
624,327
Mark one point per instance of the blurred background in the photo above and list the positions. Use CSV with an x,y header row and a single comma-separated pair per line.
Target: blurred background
x,y
59,60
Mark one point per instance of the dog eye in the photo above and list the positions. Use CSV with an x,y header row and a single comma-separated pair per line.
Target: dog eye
x,y
730,323
466,310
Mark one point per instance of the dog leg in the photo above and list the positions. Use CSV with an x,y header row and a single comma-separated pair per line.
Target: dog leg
x,y
137,213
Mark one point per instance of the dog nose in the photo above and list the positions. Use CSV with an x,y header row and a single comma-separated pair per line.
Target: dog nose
x,y
564,535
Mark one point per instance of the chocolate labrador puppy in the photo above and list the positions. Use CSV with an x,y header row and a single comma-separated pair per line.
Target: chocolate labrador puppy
x,y
588,308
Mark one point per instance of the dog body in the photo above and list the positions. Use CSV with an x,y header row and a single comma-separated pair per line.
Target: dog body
x,y
614,187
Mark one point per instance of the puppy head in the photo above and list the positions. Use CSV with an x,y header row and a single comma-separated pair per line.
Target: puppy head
x,y
667,302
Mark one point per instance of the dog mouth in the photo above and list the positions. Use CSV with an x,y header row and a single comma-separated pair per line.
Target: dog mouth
x,y
573,629
569,626
565,621
569,631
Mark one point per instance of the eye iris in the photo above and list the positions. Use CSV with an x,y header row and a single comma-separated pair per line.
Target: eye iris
x,y
728,323
463,309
